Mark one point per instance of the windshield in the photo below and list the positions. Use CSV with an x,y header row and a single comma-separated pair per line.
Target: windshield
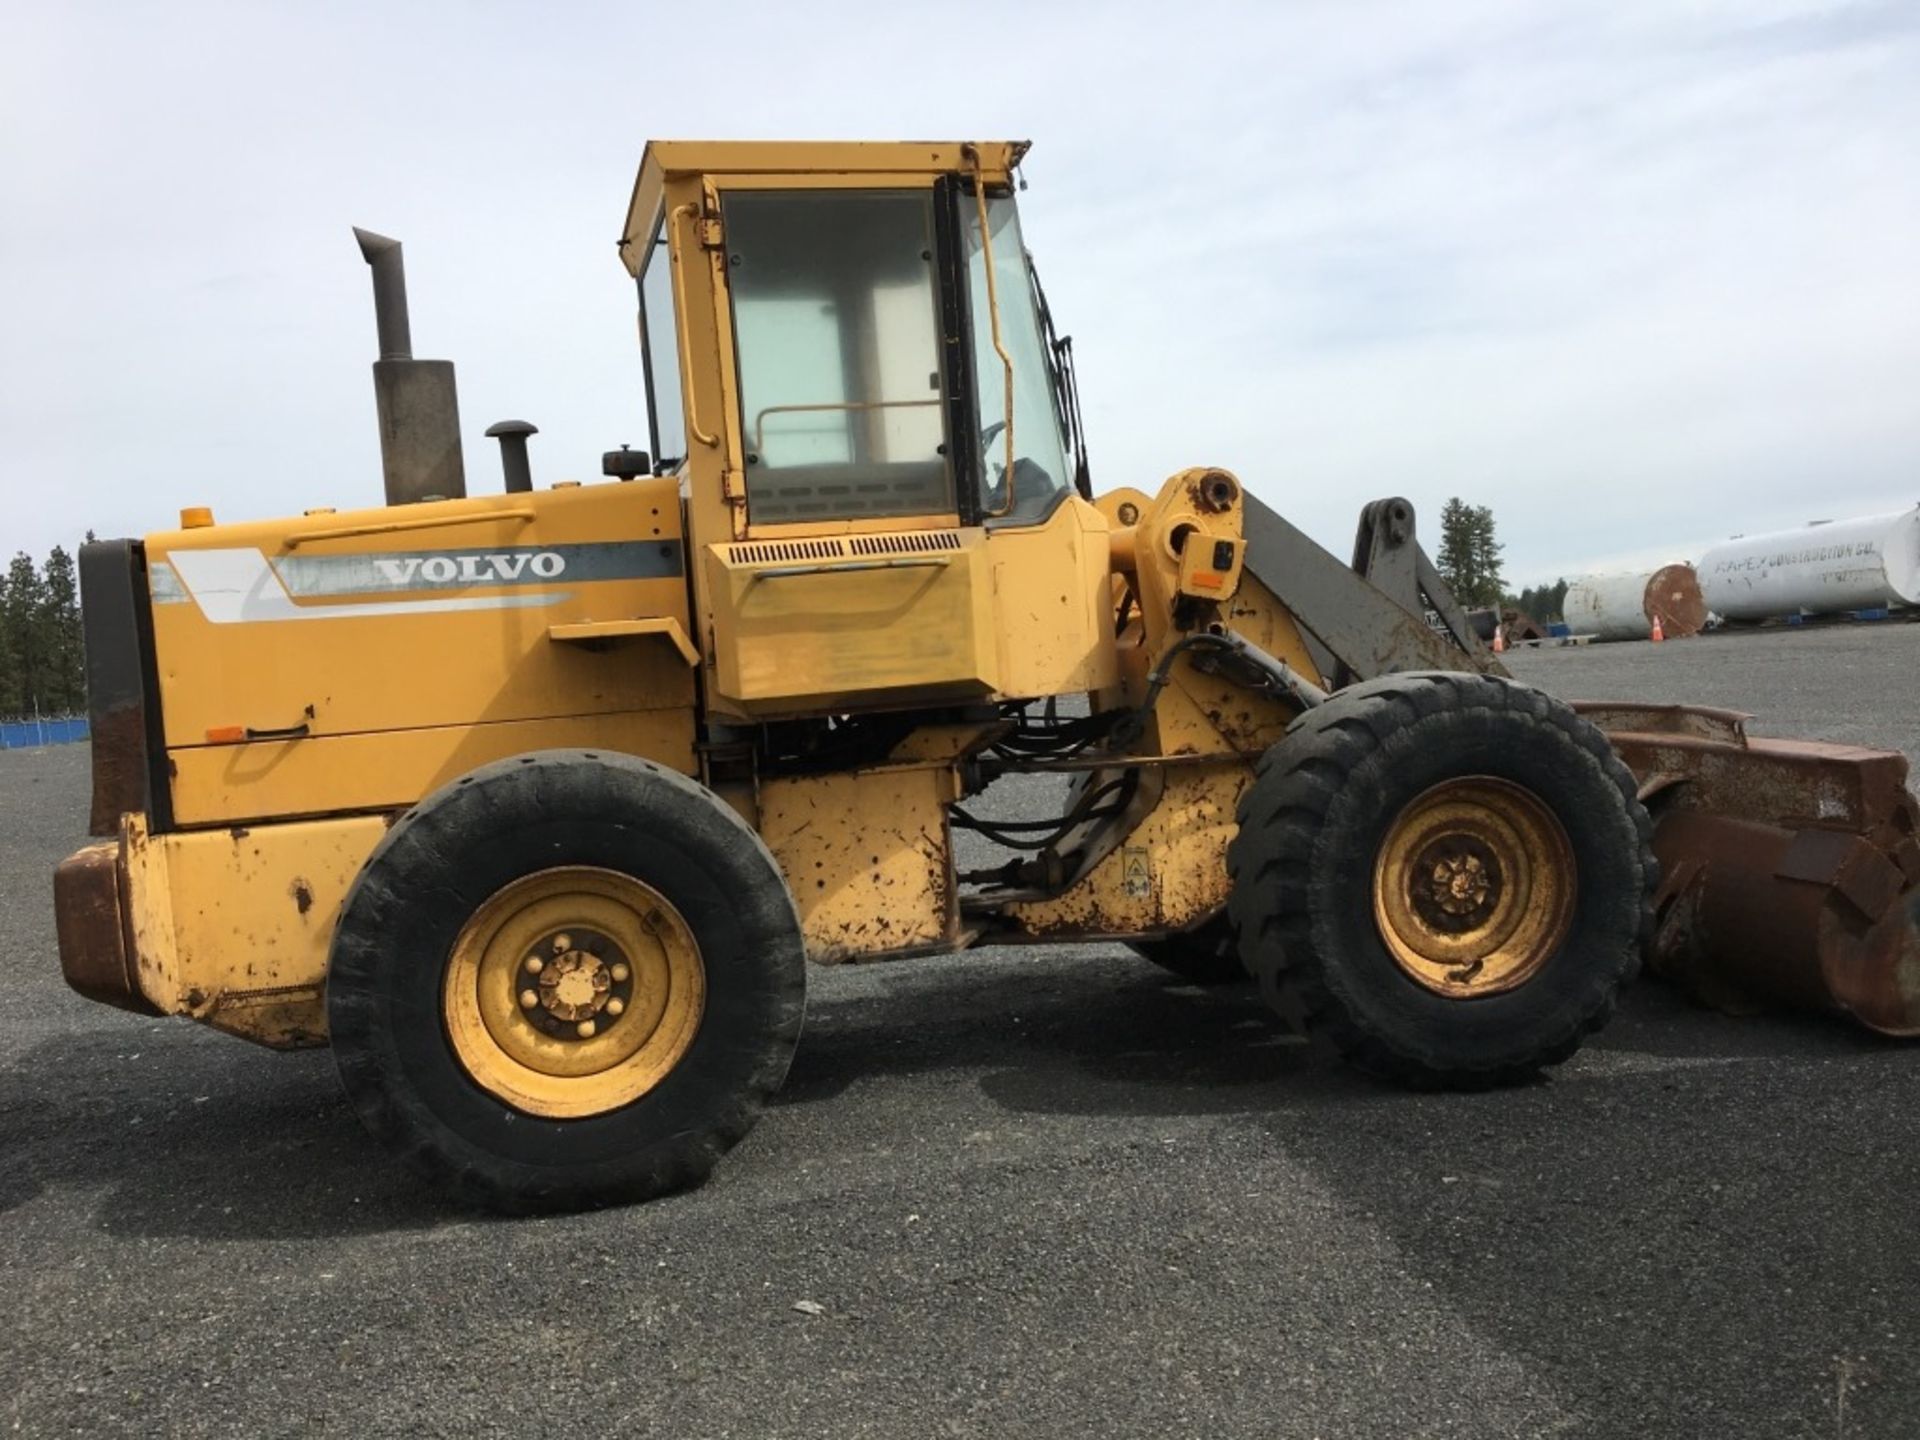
x,y
1039,471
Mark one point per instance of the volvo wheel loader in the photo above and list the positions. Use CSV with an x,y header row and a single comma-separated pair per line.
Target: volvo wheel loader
x,y
536,805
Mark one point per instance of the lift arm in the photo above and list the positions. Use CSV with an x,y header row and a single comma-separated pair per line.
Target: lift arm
x,y
1368,618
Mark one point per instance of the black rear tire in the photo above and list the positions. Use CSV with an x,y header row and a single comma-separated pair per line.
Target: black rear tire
x,y
444,860
1316,816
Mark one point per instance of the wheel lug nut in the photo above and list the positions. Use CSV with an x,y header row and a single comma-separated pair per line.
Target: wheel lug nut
x,y
535,964
620,973
528,999
586,1029
562,943
616,1005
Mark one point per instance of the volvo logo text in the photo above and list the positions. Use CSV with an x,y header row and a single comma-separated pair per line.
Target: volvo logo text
x,y
494,569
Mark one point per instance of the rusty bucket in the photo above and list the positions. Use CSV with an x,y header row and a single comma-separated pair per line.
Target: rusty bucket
x,y
1790,869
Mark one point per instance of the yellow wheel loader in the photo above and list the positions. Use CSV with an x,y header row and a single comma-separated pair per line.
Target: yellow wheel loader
x,y
536,805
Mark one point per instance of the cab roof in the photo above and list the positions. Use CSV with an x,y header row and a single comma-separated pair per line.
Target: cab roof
x,y
664,160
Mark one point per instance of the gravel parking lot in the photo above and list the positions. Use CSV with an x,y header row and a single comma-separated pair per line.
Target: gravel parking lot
x,y
1031,1193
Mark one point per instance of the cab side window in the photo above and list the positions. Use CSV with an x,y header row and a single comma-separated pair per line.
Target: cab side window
x,y
836,333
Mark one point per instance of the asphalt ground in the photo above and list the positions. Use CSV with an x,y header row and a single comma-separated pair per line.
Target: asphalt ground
x,y
1031,1192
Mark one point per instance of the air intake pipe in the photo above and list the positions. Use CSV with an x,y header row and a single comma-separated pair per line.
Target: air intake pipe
x,y
512,435
419,406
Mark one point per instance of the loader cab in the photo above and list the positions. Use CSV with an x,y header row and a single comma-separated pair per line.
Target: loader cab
x,y
847,364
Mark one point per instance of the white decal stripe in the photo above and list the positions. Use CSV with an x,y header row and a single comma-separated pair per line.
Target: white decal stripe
x,y
239,587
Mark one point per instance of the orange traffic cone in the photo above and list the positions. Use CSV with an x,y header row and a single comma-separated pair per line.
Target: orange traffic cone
x,y
1659,632
1499,639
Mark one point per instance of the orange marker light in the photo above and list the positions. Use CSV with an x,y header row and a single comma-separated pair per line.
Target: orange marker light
x,y
1207,580
226,734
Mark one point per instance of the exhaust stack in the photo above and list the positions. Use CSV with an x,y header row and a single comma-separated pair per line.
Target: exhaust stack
x,y
419,406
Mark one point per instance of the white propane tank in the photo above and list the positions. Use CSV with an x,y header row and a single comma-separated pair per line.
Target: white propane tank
x,y
1868,563
1622,607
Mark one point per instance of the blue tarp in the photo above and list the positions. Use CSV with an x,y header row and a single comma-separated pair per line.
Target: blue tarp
x,y
29,734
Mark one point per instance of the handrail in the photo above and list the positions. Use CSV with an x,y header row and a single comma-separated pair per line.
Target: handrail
x,y
704,436
760,416
785,572
972,152
388,527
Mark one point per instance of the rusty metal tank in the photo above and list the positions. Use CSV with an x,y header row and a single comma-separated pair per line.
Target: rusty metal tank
x,y
1868,563
1622,606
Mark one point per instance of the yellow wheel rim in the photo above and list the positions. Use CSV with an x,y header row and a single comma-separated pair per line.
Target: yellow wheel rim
x,y
573,991
1473,887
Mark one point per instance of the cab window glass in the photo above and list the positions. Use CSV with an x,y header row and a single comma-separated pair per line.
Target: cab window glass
x,y
835,319
662,353
1028,489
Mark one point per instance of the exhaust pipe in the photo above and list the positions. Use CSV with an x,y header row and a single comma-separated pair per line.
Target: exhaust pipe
x,y
418,404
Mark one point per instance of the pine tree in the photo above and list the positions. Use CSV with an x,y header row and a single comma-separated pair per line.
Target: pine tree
x,y
1488,585
20,637
9,660
1456,548
66,686
1469,554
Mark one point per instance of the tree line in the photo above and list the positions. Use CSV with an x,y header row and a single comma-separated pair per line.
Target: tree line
x,y
1542,602
42,668
1469,561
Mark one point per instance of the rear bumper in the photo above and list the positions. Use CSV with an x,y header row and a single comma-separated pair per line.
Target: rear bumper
x,y
90,914
231,926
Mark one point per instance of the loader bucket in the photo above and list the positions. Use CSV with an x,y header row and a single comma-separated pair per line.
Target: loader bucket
x,y
1790,869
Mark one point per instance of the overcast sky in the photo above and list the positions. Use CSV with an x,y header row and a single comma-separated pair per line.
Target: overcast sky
x,y
1638,276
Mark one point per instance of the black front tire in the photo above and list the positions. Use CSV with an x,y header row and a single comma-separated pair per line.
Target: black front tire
x,y
443,860
1316,816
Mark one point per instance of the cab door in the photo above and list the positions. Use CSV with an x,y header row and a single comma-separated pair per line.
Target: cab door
x,y
857,582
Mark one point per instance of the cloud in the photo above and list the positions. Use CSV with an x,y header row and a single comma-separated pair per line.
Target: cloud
x,y
1634,275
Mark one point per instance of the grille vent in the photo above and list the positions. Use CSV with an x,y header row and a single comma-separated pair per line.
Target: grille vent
x,y
787,550
905,544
